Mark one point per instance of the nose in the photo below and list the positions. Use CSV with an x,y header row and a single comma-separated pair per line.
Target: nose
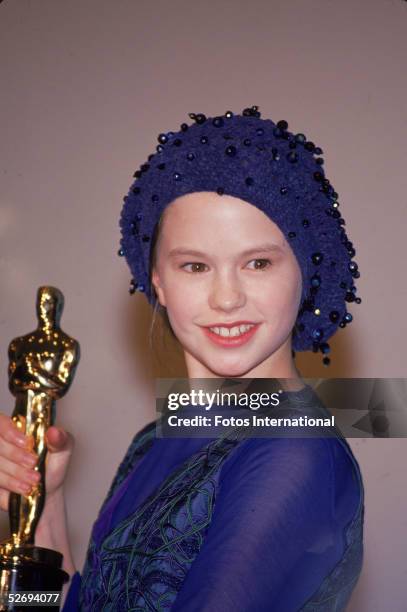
x,y
227,293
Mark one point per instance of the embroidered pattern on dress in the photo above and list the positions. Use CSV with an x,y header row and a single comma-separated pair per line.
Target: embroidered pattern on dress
x,y
336,589
142,563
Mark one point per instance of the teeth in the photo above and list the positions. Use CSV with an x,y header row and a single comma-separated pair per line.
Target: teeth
x,y
230,332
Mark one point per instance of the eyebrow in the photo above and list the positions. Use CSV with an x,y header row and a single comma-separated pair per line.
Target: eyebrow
x,y
261,248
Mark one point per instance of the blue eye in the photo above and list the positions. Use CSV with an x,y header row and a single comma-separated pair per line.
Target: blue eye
x,y
264,267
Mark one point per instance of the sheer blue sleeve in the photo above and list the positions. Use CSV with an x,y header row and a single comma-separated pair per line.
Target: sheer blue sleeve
x,y
71,599
277,527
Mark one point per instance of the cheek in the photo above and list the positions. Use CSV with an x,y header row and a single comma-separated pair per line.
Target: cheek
x,y
183,306
281,298
186,297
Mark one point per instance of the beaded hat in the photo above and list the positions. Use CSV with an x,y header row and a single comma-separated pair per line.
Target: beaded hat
x,y
281,173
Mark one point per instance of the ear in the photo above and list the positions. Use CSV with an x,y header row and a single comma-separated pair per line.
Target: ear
x,y
156,281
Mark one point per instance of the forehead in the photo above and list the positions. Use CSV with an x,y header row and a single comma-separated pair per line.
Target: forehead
x,y
214,214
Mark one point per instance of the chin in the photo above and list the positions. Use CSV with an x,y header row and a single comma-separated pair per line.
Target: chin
x,y
230,370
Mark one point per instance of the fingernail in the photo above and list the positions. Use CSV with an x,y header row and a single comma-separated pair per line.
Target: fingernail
x,y
34,476
30,460
21,440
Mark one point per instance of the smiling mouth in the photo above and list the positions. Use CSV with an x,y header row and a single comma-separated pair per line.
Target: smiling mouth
x,y
231,336
231,332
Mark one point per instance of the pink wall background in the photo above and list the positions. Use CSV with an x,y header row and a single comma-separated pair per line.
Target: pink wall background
x,y
85,89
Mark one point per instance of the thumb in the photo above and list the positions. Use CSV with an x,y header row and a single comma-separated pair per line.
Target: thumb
x,y
57,439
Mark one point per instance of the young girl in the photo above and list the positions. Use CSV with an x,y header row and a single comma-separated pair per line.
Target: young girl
x,y
233,232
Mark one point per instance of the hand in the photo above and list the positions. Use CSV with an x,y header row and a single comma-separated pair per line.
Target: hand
x,y
17,460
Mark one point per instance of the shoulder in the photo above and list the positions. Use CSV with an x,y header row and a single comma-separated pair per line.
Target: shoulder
x,y
138,446
140,443
293,454
307,454
147,430
301,468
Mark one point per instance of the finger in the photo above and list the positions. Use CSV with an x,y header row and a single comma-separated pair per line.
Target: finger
x,y
58,439
4,497
19,472
9,431
16,482
18,455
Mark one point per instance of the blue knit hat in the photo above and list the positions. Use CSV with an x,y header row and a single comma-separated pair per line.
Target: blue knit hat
x,y
281,173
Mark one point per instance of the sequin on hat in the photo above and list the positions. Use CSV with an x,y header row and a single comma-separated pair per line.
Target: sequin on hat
x,y
281,173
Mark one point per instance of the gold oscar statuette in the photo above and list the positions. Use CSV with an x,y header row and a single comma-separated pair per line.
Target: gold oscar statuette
x,y
42,366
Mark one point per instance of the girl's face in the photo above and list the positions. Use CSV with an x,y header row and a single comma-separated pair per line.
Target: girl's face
x,y
222,262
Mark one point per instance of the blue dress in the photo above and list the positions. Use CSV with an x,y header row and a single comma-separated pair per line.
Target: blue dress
x,y
219,524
